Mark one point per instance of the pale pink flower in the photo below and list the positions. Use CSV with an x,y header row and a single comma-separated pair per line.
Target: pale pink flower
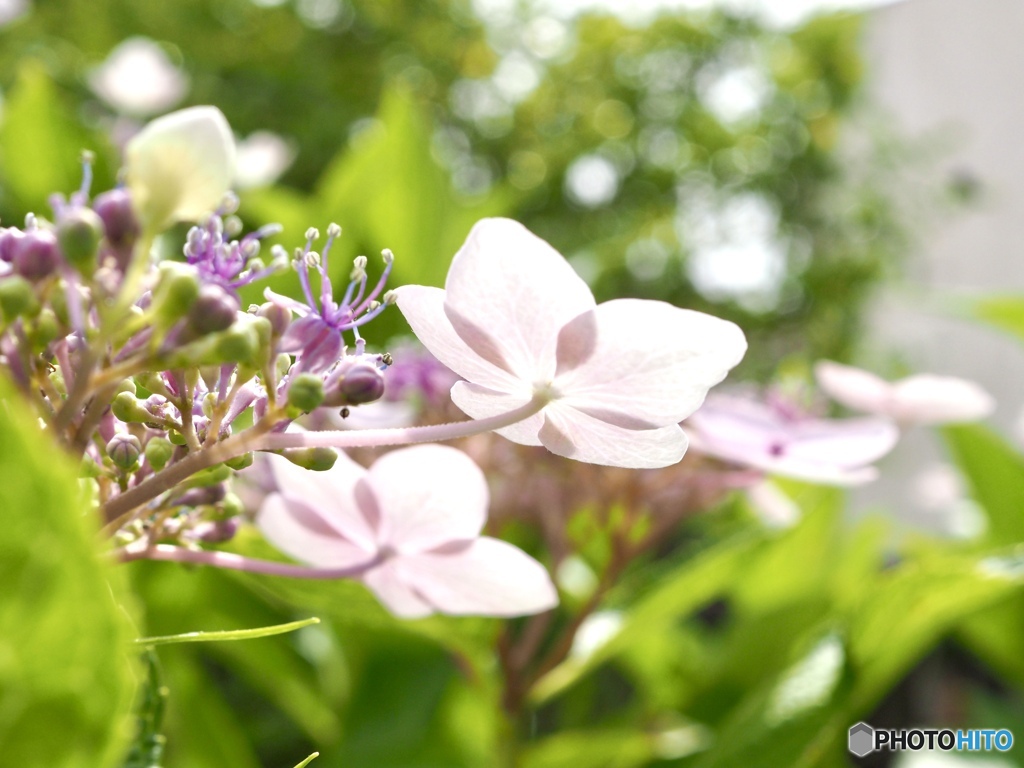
x,y
415,518
755,435
520,326
920,399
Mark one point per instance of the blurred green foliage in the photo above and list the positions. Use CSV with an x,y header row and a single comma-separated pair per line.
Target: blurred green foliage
x,y
694,159
65,625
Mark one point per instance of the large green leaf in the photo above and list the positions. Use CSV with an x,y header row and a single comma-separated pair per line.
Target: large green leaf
x,y
996,475
41,142
799,718
66,673
1004,312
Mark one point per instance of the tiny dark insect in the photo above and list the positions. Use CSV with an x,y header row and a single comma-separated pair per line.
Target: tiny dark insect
x,y
344,413
387,359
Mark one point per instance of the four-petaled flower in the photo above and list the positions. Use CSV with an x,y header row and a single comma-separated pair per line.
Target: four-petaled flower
x,y
614,380
415,519
921,399
756,435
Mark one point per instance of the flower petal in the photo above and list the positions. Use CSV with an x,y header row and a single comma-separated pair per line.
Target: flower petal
x,y
400,598
480,403
643,364
332,494
929,399
509,293
853,387
423,308
306,534
428,495
751,434
576,435
486,577
179,166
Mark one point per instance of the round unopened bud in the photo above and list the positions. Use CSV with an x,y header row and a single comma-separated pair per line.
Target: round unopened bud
x,y
215,309
316,459
124,450
130,409
240,462
16,297
47,328
238,344
279,317
79,233
35,255
176,291
158,452
128,385
8,237
306,392
119,222
207,494
217,531
362,383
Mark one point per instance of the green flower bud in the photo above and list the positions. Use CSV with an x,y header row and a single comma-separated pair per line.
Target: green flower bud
x,y
124,450
46,330
57,379
78,235
176,290
306,392
17,297
211,476
316,459
231,506
158,452
128,385
130,409
240,462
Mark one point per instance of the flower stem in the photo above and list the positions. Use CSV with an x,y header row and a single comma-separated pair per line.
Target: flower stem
x,y
170,553
371,438
120,509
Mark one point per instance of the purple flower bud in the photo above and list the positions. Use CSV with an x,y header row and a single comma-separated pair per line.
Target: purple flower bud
x,y
361,383
124,450
35,255
196,497
214,310
217,531
278,316
8,237
119,222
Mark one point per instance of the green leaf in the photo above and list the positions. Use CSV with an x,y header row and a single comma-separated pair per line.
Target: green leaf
x,y
393,194
1003,312
605,748
40,142
229,634
687,588
64,629
995,472
308,760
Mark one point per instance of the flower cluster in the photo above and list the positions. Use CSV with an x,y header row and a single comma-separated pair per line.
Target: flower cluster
x,y
156,377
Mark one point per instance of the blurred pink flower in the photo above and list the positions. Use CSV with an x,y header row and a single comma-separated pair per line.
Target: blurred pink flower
x,y
756,435
415,518
612,382
920,399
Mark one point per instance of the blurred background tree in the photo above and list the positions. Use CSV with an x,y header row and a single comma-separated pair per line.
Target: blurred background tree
x,y
694,159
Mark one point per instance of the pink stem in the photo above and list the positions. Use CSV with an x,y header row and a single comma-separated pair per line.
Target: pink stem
x,y
172,554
